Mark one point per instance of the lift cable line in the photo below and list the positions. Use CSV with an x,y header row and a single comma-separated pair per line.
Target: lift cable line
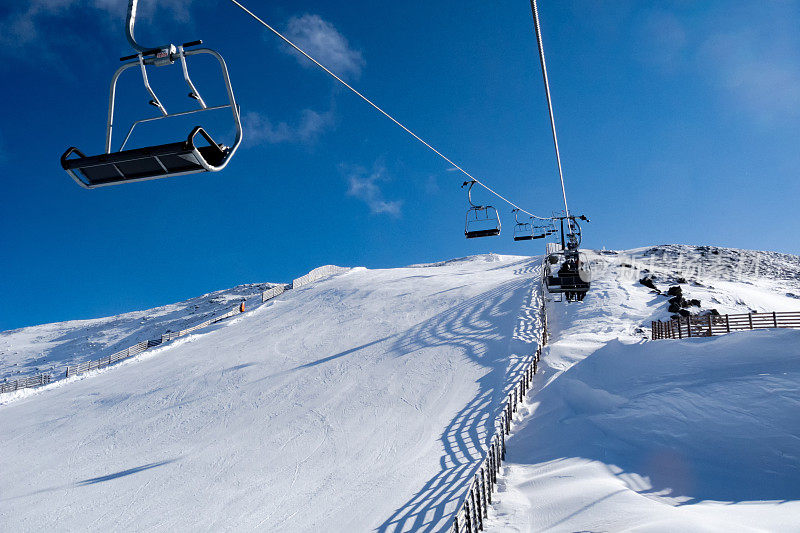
x,y
384,113
549,100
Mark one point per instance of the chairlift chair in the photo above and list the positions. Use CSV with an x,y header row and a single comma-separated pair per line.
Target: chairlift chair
x,y
567,272
165,160
481,220
523,231
540,230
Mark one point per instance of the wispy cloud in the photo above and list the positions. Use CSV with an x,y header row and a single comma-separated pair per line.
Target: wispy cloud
x,y
759,73
365,186
666,38
311,124
27,23
748,56
324,43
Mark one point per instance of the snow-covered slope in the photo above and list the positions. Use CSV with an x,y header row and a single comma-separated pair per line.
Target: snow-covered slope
x,y
358,403
53,347
625,434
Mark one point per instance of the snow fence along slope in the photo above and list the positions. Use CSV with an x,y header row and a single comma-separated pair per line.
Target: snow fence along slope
x,y
358,403
685,435
50,348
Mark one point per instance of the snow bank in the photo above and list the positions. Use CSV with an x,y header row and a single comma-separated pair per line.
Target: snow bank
x,y
626,434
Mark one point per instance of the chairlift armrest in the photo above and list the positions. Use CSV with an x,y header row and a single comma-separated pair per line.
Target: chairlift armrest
x,y
71,150
206,136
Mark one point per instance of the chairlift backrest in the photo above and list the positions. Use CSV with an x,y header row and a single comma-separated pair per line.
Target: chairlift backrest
x,y
523,231
481,220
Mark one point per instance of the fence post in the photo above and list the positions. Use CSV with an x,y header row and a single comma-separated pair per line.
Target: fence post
x,y
775,318
492,462
486,496
750,318
477,506
710,326
688,326
728,323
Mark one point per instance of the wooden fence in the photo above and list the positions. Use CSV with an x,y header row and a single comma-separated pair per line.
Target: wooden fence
x,y
172,335
709,325
474,509
43,379
25,383
317,274
269,294
144,345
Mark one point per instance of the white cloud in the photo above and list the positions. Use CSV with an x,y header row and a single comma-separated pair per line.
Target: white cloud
x,y
325,44
259,128
365,186
748,56
25,24
664,37
756,70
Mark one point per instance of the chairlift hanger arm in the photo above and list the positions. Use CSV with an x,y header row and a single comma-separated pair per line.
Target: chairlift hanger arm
x,y
154,51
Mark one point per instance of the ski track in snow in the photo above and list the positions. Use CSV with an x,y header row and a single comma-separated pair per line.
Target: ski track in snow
x,y
362,402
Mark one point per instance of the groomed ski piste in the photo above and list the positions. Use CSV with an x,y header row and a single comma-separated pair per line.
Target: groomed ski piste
x,y
357,403
363,403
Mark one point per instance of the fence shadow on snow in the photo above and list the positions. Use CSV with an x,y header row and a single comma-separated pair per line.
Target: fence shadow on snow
x,y
476,325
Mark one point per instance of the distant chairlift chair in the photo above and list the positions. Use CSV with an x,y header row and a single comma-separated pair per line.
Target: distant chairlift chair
x,y
481,220
523,231
165,160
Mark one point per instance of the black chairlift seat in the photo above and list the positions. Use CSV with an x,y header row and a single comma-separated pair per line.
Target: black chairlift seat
x,y
141,164
491,232
566,283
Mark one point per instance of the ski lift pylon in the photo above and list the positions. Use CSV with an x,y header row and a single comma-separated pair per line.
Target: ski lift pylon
x,y
566,271
481,220
165,160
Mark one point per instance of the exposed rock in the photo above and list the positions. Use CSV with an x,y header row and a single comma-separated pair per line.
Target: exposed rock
x,y
648,282
675,290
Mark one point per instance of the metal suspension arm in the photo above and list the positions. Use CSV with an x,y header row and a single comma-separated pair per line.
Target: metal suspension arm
x,y
535,11
130,23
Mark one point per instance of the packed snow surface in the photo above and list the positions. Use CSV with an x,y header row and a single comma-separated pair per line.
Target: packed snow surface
x,y
625,434
362,402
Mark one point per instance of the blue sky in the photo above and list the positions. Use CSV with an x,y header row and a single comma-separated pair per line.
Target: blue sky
x,y
678,122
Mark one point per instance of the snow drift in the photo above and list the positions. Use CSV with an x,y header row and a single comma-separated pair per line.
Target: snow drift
x,y
628,434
